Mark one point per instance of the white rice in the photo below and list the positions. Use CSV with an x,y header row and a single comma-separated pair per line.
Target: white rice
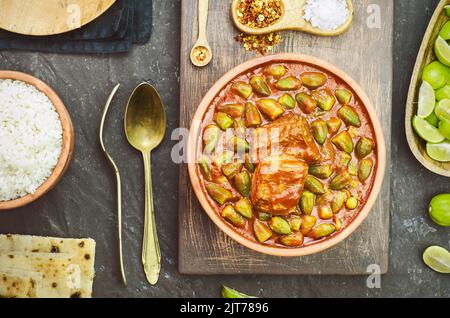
x,y
30,139
326,14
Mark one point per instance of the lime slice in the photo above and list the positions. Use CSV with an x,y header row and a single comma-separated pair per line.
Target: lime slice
x,y
432,119
444,128
439,209
445,31
426,131
436,74
438,259
447,10
442,110
439,152
443,93
427,100
442,51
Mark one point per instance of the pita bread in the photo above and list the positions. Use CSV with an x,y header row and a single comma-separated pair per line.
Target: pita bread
x,y
19,284
76,256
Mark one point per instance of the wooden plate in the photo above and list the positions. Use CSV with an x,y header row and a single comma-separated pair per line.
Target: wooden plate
x,y
425,57
37,17
67,140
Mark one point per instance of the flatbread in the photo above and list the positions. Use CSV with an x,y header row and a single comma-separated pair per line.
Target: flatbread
x,y
19,284
81,251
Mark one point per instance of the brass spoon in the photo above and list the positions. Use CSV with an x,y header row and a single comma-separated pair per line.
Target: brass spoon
x,y
145,126
201,53
118,183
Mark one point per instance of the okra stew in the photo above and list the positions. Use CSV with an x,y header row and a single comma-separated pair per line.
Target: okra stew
x,y
288,155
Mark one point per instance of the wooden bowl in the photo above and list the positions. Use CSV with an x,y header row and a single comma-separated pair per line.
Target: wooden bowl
x,y
194,149
66,147
425,57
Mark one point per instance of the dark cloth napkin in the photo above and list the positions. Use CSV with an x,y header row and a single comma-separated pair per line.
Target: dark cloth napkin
x,y
127,22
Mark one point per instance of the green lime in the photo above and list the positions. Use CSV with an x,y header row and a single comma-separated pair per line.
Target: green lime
x,y
443,93
439,152
445,31
442,110
438,259
432,119
444,128
439,209
436,74
442,51
426,131
228,292
447,10
427,100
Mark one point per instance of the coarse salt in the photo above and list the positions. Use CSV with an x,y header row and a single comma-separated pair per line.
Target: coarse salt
x,y
326,14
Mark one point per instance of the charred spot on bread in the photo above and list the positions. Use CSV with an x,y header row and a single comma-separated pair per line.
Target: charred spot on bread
x,y
54,249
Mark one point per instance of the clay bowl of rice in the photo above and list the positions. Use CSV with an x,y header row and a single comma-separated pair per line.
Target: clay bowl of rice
x,y
37,139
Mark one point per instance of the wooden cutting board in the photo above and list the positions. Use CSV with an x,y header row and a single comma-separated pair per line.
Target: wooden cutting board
x,y
365,53
37,17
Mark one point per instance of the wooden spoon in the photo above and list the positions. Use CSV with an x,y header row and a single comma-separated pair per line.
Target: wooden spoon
x,y
145,126
292,19
201,53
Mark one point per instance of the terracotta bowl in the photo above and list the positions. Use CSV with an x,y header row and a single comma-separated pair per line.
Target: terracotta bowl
x,y
194,149
67,140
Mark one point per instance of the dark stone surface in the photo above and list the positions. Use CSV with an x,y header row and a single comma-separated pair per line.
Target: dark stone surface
x,y
82,205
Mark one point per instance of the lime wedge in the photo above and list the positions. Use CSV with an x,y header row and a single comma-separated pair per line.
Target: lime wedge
x,y
447,10
438,259
427,100
432,119
442,51
439,152
442,110
444,128
443,93
436,74
445,31
426,131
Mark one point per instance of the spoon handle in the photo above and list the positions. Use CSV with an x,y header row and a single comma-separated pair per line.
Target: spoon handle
x,y
202,18
151,256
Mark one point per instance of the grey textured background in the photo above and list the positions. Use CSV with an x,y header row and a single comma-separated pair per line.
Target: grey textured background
x,y
82,205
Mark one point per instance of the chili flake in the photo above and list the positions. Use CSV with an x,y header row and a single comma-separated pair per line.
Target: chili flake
x,y
259,13
259,43
201,53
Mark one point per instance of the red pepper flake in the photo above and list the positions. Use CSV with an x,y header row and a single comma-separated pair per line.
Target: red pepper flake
x,y
261,44
259,13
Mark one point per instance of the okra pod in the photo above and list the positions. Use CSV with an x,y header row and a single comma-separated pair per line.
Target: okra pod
x,y
230,214
319,130
262,231
323,230
223,120
313,185
218,193
233,110
295,222
259,85
325,212
293,240
322,171
244,207
279,225
341,180
205,167
306,102
307,201
343,141
338,201
250,166
276,71
211,136
343,159
231,169
349,116
290,83
313,80
239,145
242,183
334,124
308,222
263,216
324,99
252,115
365,169
239,127
243,89
364,147
344,96
287,101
